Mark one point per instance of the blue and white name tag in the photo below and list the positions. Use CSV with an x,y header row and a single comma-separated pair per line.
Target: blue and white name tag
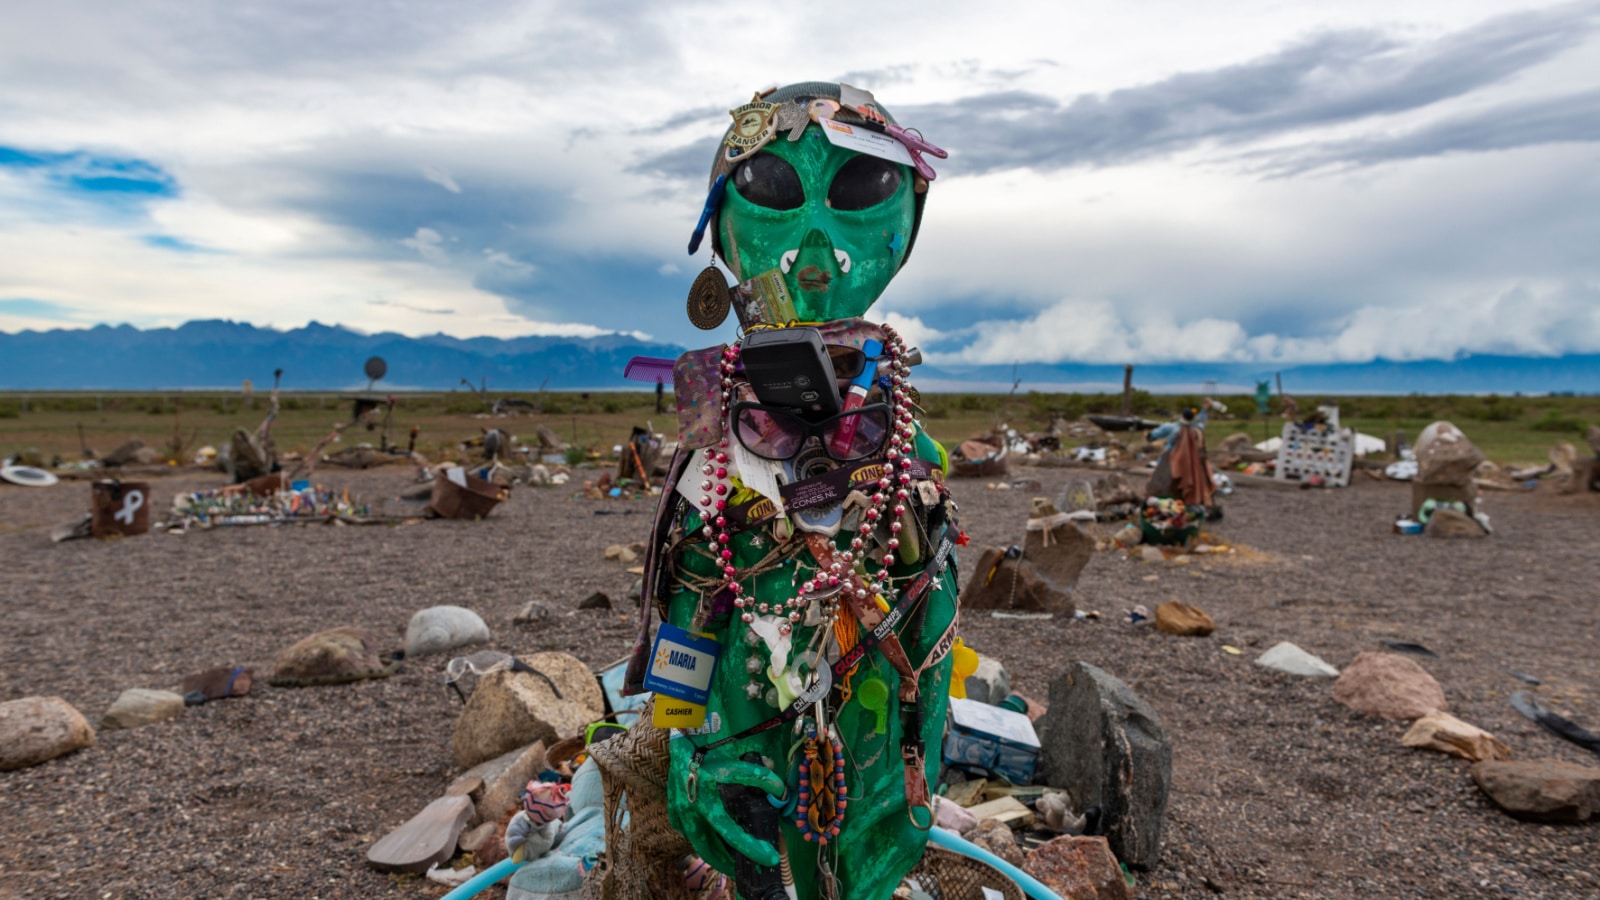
x,y
681,665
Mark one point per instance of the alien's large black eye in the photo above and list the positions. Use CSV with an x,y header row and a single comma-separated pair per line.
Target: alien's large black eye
x,y
766,180
863,182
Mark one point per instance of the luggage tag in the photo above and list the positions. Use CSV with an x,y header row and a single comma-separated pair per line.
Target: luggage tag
x,y
864,140
681,666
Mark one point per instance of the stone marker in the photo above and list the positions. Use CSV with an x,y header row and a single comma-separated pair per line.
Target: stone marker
x,y
441,628
142,706
1452,523
1446,456
1054,553
428,839
1286,657
36,729
1389,686
1541,790
1078,868
990,683
1448,734
1105,746
510,710
1179,618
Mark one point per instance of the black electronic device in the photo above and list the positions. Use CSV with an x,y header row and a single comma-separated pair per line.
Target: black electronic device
x,y
748,807
790,367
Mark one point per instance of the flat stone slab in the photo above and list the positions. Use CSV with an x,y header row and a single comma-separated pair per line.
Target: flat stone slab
x,y
428,839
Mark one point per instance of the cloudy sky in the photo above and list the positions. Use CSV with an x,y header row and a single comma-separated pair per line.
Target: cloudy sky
x,y
1262,180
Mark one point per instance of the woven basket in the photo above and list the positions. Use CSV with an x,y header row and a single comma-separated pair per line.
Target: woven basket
x,y
950,876
643,861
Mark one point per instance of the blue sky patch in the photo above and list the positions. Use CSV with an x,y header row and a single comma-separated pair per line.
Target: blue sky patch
x,y
36,309
168,242
86,173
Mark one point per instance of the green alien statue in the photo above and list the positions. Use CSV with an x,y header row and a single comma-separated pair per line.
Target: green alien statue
x,y
813,547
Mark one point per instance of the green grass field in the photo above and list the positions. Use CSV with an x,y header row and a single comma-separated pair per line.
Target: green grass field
x,y
1517,430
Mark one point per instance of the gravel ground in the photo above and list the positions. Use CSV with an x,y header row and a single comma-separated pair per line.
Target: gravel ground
x,y
1277,790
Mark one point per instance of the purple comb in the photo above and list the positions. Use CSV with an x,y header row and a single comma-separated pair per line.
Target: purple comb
x,y
649,369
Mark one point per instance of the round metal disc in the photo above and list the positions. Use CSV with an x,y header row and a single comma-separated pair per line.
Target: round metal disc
x,y
709,302
27,476
376,368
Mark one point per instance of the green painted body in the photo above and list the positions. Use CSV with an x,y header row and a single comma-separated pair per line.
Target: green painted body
x,y
880,841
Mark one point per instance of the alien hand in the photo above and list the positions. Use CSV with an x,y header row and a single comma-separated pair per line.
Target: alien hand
x,y
707,802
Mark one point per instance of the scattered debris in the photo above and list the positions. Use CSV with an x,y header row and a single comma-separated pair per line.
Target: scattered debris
x,y
1560,726
428,839
1409,647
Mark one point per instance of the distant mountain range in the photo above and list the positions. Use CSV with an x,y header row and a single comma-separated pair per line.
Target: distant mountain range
x,y
221,355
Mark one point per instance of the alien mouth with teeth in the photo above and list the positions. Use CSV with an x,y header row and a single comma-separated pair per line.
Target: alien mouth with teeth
x,y
814,277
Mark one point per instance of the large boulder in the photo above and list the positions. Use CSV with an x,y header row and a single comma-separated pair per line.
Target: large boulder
x,y
1106,747
1078,868
1541,790
142,706
1054,552
1388,686
509,710
441,628
1446,456
36,729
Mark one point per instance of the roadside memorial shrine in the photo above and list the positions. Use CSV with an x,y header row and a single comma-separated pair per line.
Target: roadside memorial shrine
x,y
1316,451
802,557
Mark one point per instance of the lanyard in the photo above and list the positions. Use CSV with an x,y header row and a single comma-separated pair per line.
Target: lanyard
x,y
909,597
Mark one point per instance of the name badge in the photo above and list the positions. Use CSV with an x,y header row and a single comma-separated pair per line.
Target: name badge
x,y
681,665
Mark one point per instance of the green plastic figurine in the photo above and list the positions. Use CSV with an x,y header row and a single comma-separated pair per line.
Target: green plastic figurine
x,y
831,683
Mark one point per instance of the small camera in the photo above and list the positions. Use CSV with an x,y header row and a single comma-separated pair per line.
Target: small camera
x,y
790,367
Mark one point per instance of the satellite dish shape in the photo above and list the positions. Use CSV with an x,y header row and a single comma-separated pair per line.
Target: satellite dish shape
x,y
376,368
27,476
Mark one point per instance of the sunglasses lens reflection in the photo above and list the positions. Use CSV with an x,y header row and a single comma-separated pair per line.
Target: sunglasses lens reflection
x,y
770,434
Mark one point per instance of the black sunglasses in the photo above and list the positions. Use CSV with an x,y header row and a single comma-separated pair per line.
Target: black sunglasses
x,y
778,433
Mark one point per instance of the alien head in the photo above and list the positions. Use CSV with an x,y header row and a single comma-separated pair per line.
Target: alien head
x,y
836,222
